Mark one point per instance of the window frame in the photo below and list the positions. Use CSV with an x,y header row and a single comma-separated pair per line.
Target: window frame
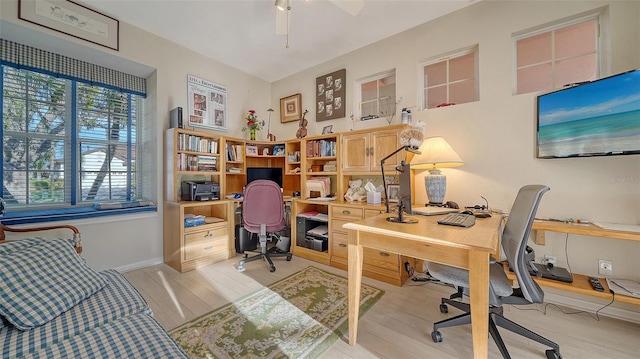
x,y
73,207
376,77
601,42
447,57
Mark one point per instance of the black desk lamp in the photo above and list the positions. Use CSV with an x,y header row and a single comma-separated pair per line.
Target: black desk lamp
x,y
402,166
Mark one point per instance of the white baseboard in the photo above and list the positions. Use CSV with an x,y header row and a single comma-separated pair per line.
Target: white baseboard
x,y
139,265
591,307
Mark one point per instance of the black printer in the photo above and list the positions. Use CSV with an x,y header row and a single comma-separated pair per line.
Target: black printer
x,y
200,191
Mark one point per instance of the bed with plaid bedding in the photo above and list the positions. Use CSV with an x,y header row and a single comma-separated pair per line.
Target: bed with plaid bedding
x,y
113,322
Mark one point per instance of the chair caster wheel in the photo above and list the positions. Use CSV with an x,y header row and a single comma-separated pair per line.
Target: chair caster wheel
x,y
272,269
245,256
444,308
436,336
288,258
552,354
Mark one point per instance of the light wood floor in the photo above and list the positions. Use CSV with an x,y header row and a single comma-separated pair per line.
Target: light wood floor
x,y
399,324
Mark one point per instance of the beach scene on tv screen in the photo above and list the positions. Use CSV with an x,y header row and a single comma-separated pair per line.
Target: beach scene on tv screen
x,y
598,118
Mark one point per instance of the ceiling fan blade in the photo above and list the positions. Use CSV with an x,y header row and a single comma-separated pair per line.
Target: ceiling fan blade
x,y
281,22
353,7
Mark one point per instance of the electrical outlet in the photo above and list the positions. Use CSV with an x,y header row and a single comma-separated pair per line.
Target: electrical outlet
x,y
549,259
605,267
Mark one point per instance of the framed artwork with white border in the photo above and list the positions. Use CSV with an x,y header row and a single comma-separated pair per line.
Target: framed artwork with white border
x,y
72,19
252,150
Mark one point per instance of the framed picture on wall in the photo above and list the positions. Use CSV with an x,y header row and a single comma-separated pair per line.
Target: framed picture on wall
x,y
330,95
327,129
290,108
72,19
207,104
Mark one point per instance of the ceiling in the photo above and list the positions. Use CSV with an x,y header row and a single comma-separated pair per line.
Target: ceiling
x,y
242,33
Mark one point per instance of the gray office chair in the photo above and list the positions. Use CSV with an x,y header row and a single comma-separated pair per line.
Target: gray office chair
x,y
514,241
263,216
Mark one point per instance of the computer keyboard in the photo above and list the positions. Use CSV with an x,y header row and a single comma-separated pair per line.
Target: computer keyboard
x,y
458,219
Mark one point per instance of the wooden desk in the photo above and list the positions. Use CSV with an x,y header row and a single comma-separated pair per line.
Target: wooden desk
x,y
468,248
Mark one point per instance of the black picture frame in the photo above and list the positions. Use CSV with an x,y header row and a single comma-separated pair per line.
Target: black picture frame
x,y
72,19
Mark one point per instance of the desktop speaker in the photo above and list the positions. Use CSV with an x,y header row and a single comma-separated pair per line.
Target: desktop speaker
x,y
175,118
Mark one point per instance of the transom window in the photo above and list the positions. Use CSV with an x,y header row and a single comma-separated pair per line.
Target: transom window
x,y
451,79
377,96
556,56
66,143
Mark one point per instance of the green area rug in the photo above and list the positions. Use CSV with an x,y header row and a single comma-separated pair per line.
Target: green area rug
x,y
300,316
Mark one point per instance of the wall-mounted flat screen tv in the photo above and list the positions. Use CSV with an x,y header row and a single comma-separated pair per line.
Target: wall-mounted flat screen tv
x,y
599,118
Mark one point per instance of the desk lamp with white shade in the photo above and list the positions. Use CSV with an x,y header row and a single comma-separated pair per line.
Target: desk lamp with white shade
x,y
435,153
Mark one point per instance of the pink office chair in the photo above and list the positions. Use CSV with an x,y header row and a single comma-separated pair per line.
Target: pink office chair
x,y
263,215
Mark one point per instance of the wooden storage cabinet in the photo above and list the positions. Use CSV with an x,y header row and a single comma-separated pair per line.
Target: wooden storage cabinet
x,y
363,150
187,248
380,265
302,206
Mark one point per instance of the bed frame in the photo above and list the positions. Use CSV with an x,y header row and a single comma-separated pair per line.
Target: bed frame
x,y
76,233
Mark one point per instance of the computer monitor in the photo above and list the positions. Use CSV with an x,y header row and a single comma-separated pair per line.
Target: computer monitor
x,y
269,173
404,195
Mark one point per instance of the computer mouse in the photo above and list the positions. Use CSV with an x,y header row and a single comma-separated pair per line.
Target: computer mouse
x,y
467,212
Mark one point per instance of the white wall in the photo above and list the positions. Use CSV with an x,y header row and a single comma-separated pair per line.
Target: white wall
x,y
125,241
495,136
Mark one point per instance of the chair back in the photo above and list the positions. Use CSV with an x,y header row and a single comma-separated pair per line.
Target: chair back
x,y
263,204
515,237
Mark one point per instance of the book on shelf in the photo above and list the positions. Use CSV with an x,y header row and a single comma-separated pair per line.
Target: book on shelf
x,y
235,153
194,143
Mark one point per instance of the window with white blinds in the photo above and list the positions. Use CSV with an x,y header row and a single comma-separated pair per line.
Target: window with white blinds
x,y
66,143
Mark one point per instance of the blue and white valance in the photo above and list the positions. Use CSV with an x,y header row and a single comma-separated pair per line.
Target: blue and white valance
x,y
23,56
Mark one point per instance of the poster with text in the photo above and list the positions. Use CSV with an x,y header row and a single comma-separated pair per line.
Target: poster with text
x,y
207,104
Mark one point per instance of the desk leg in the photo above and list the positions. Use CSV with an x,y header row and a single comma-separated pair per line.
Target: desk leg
x,y
355,280
479,298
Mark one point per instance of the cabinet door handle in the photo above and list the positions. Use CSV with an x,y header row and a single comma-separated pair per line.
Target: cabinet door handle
x,y
342,245
384,254
207,248
346,211
371,151
366,152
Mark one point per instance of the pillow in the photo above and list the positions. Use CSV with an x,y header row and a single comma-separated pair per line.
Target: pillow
x,y
17,245
14,246
39,283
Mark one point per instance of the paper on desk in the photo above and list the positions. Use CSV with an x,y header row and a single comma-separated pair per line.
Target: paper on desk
x,y
624,286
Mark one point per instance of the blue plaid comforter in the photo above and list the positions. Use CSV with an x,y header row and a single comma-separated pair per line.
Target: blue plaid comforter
x,y
115,322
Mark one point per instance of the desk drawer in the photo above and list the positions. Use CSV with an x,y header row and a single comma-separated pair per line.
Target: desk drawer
x,y
371,257
339,243
350,213
336,226
205,243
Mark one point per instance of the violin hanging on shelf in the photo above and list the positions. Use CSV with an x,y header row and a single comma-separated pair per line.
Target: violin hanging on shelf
x,y
302,130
